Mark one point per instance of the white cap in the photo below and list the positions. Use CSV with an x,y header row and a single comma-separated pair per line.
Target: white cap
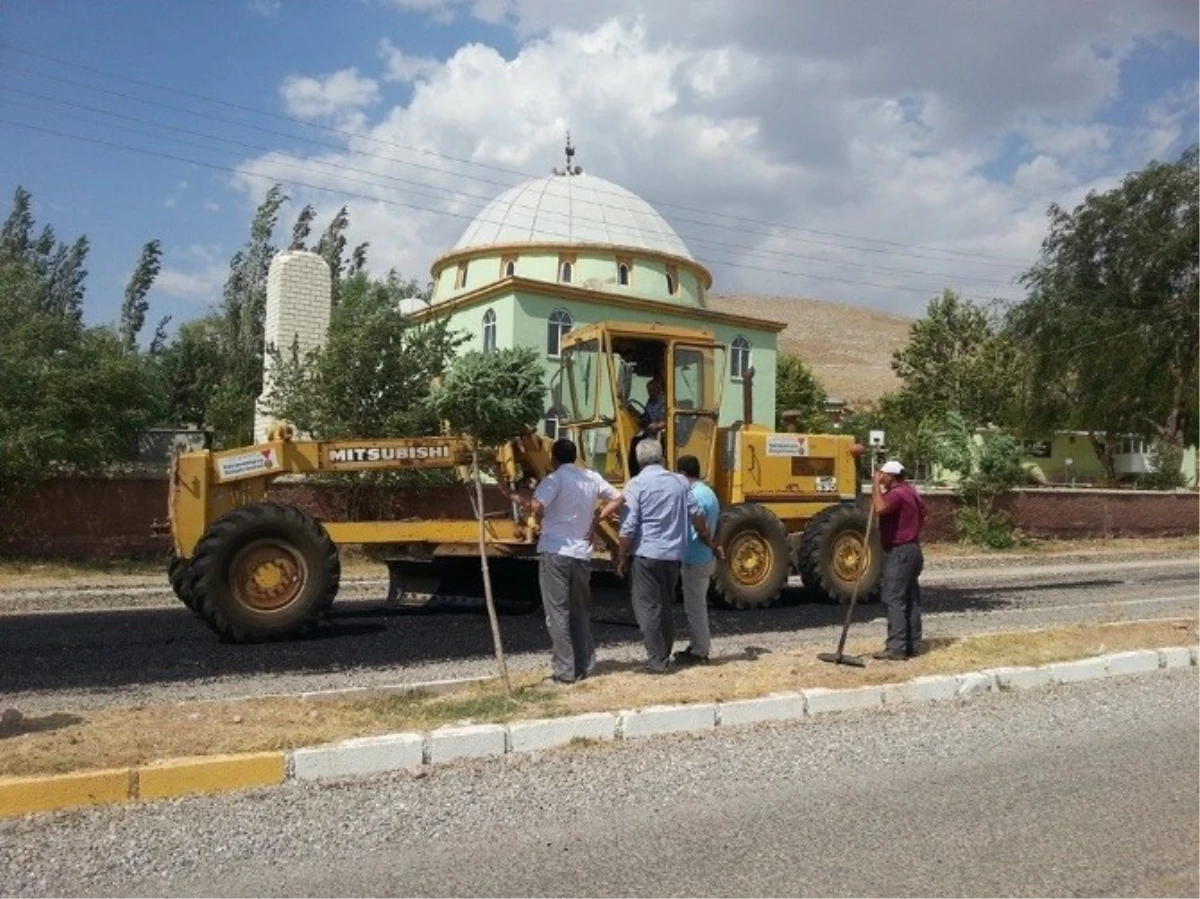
x,y
892,467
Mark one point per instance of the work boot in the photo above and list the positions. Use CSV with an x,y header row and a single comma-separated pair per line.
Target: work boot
x,y
886,655
687,657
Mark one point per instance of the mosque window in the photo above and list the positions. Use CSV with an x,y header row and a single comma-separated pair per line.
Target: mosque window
x,y
739,357
489,331
558,324
460,280
508,266
623,269
672,280
565,270
550,423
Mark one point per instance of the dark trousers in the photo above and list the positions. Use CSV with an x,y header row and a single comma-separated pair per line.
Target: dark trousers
x,y
902,596
566,596
652,592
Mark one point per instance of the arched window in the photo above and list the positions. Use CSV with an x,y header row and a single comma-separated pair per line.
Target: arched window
x,y
550,423
739,356
508,266
461,281
564,271
623,273
489,331
672,280
557,325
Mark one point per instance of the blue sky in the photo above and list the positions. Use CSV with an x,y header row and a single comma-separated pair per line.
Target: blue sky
x,y
867,159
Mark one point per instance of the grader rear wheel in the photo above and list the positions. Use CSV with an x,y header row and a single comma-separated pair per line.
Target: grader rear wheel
x,y
264,572
179,574
835,554
755,569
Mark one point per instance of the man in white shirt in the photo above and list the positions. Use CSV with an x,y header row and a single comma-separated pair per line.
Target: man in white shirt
x,y
566,504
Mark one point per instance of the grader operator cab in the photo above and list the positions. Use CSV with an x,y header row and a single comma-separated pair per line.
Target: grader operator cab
x,y
257,570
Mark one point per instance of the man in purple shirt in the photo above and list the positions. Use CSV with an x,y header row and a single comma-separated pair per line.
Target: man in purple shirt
x,y
901,514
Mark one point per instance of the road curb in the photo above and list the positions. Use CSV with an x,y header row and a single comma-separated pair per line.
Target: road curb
x,y
365,756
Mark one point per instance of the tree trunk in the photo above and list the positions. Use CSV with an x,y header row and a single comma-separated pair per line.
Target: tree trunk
x,y
501,666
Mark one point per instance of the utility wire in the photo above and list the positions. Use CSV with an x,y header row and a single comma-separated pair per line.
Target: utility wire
x,y
360,136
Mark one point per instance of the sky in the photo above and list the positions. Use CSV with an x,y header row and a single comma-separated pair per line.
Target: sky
x,y
867,153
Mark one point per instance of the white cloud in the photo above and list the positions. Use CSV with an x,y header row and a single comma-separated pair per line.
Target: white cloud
x,y
341,92
403,67
212,206
205,283
950,127
265,8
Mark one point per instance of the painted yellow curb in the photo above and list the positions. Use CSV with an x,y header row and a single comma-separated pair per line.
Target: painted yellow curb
x,y
21,795
211,774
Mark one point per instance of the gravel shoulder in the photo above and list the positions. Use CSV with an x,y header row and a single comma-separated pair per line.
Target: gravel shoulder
x,y
1008,794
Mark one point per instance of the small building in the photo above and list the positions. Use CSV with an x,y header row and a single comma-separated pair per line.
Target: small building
x,y
572,249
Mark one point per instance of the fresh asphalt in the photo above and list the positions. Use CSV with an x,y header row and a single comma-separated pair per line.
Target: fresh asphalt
x,y
64,650
1074,790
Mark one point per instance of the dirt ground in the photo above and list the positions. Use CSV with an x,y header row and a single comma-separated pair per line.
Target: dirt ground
x,y
106,738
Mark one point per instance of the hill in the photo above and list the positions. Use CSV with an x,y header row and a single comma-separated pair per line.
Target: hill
x,y
848,348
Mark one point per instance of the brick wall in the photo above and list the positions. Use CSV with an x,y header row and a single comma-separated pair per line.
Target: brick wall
x,y
75,518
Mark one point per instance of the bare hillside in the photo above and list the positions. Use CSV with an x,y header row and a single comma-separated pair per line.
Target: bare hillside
x,y
848,348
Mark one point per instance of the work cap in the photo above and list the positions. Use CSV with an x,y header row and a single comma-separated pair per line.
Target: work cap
x,y
892,467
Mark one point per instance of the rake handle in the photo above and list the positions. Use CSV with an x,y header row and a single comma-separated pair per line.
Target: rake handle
x,y
857,581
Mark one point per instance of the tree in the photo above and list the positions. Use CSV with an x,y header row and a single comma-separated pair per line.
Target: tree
x,y
332,246
135,304
372,376
798,390
491,398
71,398
302,228
1110,323
956,358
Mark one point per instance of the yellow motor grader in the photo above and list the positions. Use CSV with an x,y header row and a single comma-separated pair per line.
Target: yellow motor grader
x,y
258,570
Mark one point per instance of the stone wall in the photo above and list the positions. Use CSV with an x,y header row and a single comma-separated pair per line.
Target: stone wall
x,y
97,518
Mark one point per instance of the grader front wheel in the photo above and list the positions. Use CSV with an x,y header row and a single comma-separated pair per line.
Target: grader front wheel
x,y
835,554
756,557
264,572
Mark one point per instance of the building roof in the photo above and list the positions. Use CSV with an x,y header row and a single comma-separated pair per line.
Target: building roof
x,y
572,210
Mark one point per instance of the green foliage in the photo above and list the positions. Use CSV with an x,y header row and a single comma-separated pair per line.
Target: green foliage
x,y
1166,462
135,305
492,397
955,358
372,377
990,529
1111,323
71,398
798,390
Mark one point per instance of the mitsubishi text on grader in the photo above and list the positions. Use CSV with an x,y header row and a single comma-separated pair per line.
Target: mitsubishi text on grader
x,y
258,570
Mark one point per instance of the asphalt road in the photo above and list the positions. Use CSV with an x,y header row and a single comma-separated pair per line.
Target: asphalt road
x,y
1088,789
63,660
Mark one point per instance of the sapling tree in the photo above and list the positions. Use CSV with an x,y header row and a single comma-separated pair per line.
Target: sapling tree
x,y
491,398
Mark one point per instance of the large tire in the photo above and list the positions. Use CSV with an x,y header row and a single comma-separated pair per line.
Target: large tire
x,y
756,563
835,554
264,572
179,574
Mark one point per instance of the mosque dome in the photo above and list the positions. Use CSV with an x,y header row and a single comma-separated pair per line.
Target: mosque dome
x,y
572,210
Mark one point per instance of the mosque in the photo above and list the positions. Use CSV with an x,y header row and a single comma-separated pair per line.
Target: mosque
x,y
544,257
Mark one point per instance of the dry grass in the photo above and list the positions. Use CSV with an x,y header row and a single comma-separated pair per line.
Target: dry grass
x,y
849,348
1109,546
131,736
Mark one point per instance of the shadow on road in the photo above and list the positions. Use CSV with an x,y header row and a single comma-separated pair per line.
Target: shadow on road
x,y
111,650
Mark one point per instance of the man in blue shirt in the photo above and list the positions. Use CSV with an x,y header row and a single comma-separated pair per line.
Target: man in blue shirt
x,y
699,561
654,532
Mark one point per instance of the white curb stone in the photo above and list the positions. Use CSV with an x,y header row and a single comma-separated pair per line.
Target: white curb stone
x,y
547,733
1019,677
473,741
930,688
1135,662
1175,657
667,719
820,700
368,755
1081,670
974,682
775,707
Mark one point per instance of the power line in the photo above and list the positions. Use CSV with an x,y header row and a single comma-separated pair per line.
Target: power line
x,y
358,135
392,202
455,195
